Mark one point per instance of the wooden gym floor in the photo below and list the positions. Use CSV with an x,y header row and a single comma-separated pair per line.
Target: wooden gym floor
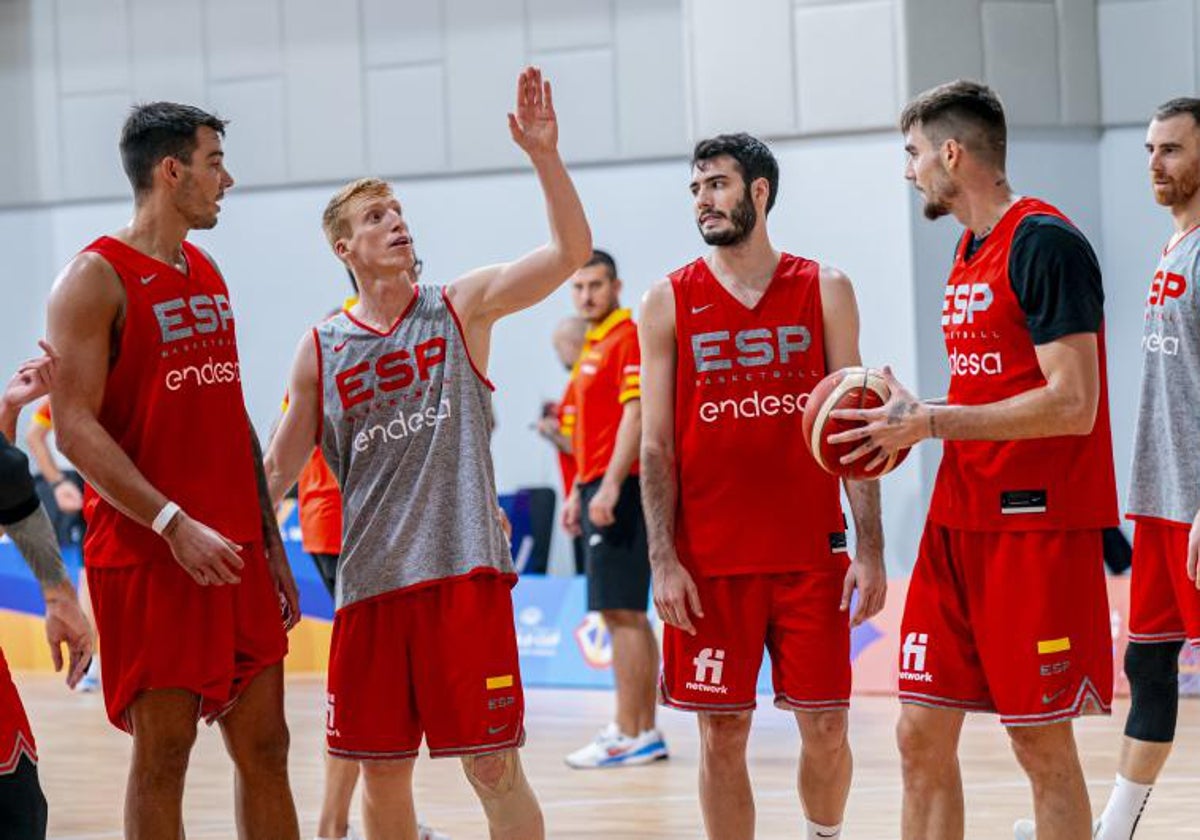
x,y
84,761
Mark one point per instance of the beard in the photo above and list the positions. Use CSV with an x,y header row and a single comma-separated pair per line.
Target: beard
x,y
937,200
741,221
1178,190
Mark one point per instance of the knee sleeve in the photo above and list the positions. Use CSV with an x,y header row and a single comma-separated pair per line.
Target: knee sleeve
x,y
1153,672
17,496
22,804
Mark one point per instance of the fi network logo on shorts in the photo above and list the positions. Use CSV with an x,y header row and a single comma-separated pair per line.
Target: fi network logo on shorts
x,y
710,666
912,658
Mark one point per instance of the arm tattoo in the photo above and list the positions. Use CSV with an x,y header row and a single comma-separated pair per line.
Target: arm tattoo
x,y
34,537
270,527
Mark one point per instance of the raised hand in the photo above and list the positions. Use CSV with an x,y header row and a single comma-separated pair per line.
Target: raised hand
x,y
534,126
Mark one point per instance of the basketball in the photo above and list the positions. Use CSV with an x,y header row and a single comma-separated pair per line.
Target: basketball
x,y
852,387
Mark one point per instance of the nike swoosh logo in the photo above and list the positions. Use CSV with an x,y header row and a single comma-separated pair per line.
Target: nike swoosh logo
x,y
146,280
337,348
595,539
1050,698
696,310
492,730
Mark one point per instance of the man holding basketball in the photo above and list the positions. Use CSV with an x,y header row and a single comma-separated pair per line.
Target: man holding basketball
x,y
747,538
1024,489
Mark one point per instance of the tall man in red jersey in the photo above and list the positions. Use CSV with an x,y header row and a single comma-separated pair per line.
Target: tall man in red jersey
x,y
396,393
148,405
1024,489
747,538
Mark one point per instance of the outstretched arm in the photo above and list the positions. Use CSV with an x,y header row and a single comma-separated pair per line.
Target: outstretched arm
x,y
489,293
866,573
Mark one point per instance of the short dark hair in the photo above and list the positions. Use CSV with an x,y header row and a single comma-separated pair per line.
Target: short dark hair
x,y
605,259
1177,106
158,130
969,112
753,158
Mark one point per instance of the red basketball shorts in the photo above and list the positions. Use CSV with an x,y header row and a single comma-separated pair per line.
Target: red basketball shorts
x,y
16,738
160,629
438,660
795,616
1011,622
1164,604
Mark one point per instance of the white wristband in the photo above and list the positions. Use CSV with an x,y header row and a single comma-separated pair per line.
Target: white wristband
x,y
164,517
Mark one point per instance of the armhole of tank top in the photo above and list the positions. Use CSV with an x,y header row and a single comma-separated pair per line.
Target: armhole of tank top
x,y
821,313
124,312
462,336
320,389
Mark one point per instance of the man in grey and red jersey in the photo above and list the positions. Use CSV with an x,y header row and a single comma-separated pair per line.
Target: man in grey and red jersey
x,y
747,538
395,392
1025,486
148,405
1164,493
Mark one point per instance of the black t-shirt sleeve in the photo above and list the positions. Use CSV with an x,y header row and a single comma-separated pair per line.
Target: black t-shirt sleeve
x,y
1056,278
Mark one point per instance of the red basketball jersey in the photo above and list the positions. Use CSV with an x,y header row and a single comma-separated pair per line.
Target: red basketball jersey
x,y
751,497
173,402
1056,483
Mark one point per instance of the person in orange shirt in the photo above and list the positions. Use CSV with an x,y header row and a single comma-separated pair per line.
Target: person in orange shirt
x,y
606,507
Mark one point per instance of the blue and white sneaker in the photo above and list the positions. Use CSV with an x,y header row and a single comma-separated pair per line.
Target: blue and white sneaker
x,y
90,682
611,748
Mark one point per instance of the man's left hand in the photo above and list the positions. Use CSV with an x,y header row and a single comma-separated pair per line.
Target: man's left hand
x,y
868,575
285,584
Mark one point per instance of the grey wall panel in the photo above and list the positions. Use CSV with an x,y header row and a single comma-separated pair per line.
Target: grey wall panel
x,y
18,142
90,131
1147,55
255,146
167,38
485,50
741,66
1079,62
846,60
406,120
324,91
943,41
584,99
1020,57
569,24
651,92
243,38
402,31
93,46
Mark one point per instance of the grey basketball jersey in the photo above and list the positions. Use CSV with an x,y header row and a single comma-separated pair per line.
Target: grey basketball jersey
x,y
406,428
1166,450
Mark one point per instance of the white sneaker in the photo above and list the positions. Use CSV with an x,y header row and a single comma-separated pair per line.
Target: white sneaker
x,y
90,682
424,832
611,748
1027,830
